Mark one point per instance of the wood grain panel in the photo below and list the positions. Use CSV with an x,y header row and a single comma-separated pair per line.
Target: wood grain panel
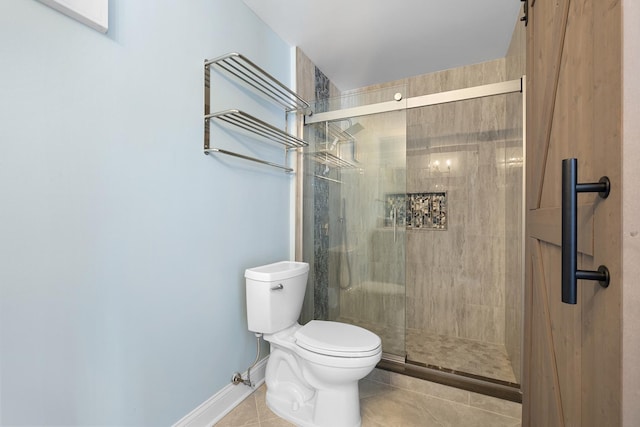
x,y
527,342
548,44
544,389
545,224
565,326
601,307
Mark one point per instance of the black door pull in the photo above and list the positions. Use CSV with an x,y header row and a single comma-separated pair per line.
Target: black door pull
x,y
570,190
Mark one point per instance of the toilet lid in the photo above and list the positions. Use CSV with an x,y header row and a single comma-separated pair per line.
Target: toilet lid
x,y
337,339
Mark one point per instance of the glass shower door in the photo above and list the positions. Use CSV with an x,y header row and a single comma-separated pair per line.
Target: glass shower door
x,y
464,281
354,222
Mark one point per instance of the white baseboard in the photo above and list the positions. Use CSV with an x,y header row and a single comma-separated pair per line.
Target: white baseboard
x,y
220,404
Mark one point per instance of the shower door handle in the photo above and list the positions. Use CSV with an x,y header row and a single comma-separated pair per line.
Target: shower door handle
x,y
570,190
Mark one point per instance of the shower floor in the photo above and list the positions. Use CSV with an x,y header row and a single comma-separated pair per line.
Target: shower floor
x,y
442,351
459,354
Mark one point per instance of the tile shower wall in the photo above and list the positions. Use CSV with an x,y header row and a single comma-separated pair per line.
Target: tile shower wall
x,y
455,278
475,290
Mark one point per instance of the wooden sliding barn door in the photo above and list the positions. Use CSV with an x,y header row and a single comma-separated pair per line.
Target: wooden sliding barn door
x,y
572,354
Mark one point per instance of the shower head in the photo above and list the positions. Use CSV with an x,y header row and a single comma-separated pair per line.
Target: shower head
x,y
347,134
353,129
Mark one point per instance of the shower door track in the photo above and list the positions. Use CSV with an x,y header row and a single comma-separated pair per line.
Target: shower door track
x,y
461,380
501,88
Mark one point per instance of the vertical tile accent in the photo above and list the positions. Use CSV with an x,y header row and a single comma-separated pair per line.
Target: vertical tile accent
x,y
321,90
321,218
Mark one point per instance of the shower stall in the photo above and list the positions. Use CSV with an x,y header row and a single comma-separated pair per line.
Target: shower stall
x,y
412,224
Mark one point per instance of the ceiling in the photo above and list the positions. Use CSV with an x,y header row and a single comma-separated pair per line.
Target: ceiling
x,y
357,43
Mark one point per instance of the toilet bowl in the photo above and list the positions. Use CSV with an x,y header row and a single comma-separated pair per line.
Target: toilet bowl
x,y
313,370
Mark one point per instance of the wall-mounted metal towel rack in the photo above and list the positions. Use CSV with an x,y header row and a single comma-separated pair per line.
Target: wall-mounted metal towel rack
x,y
249,73
326,178
254,77
242,156
256,126
329,159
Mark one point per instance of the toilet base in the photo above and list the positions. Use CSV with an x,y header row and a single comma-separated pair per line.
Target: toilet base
x,y
312,389
337,408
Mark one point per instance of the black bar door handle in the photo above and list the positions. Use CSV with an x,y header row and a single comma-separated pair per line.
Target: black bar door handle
x,y
570,190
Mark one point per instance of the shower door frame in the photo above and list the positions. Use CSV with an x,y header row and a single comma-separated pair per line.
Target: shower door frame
x,y
502,88
392,362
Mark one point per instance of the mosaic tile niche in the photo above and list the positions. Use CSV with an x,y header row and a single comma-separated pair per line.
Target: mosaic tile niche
x,y
417,211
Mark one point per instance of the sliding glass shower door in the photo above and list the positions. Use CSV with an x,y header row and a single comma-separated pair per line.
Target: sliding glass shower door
x,y
412,225
354,218
464,281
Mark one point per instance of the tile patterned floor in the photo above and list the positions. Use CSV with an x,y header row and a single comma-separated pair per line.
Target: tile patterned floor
x,y
473,357
253,412
458,354
389,400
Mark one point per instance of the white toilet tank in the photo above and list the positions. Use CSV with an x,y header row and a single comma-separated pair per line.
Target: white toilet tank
x,y
275,293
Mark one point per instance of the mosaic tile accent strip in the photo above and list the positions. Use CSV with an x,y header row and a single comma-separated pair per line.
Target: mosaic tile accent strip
x,y
320,219
322,91
416,211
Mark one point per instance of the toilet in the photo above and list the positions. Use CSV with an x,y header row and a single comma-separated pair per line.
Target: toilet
x,y
313,370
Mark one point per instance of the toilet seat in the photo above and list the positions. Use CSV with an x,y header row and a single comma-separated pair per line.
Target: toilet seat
x,y
337,339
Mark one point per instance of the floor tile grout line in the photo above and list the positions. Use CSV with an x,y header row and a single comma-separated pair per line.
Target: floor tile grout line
x,y
460,403
255,405
495,413
432,416
469,406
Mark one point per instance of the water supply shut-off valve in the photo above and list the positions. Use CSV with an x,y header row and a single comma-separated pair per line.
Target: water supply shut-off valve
x,y
236,378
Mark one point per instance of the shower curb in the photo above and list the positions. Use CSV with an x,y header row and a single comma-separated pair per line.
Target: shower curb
x,y
474,384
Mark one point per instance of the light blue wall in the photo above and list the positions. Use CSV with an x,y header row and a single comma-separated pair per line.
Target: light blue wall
x,y
122,246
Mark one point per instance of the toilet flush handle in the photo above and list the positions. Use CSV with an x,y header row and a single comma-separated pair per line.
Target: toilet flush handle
x,y
277,287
